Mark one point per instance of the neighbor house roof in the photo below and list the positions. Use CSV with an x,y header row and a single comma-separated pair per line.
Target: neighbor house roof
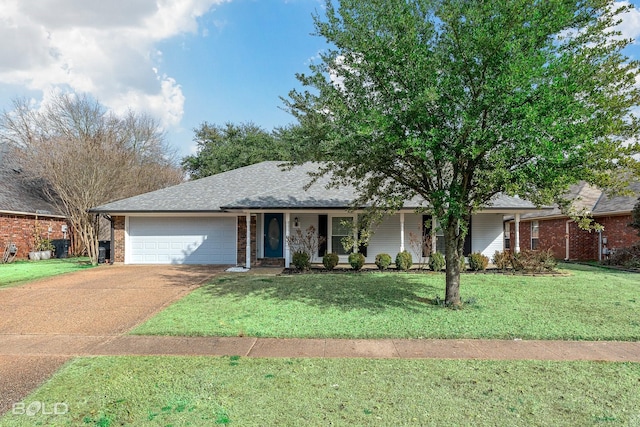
x,y
593,200
610,205
265,185
18,195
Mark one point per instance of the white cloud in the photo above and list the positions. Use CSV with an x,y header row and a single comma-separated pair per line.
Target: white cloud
x,y
105,48
630,26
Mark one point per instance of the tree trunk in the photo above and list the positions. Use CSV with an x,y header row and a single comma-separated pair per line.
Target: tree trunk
x,y
453,240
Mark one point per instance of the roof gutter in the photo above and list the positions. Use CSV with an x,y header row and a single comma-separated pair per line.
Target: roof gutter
x,y
32,214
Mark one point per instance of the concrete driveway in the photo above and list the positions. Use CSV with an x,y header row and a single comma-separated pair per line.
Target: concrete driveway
x,y
79,310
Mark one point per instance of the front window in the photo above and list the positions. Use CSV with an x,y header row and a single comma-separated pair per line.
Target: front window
x,y
535,231
507,235
341,227
439,238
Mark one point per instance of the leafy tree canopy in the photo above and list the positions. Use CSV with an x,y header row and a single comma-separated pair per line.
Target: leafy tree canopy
x,y
227,147
635,217
455,101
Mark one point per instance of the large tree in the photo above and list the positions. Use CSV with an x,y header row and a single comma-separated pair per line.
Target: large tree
x,y
455,101
227,147
85,156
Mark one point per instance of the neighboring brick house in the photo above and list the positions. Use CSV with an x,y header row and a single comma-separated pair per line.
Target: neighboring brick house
x,y
553,230
23,209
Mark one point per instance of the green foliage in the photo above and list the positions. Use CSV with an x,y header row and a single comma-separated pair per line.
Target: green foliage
x,y
223,148
356,259
635,217
478,261
502,259
330,260
533,261
467,100
383,261
404,261
625,257
44,245
436,261
301,260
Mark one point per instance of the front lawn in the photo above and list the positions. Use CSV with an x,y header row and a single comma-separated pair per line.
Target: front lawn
x,y
24,271
181,391
589,303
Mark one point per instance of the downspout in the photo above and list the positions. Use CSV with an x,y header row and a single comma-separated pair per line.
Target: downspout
x,y
599,245
516,244
247,264
401,231
566,239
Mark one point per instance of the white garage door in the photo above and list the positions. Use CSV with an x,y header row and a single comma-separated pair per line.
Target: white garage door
x,y
182,240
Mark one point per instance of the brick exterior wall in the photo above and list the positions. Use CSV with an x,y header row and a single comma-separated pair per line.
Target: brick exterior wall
x,y
19,229
117,251
583,245
242,240
618,232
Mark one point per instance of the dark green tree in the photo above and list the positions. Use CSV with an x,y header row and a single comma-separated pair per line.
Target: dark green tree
x,y
456,101
223,148
635,216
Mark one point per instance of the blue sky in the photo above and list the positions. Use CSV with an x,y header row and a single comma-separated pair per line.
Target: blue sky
x,y
182,61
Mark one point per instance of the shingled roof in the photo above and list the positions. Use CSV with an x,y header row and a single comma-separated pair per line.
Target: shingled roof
x,y
19,195
594,201
610,205
265,185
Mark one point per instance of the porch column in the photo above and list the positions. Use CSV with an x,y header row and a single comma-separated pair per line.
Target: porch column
x,y
433,235
401,231
287,231
516,244
248,252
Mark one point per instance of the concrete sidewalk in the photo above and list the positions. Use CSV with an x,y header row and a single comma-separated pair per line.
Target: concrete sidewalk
x,y
65,346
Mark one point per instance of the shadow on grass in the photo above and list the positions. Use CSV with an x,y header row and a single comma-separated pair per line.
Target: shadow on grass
x,y
372,292
189,275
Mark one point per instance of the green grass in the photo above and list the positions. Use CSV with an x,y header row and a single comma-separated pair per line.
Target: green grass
x,y
587,304
20,272
182,391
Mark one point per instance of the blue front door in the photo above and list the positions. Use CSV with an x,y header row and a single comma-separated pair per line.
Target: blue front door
x,y
273,235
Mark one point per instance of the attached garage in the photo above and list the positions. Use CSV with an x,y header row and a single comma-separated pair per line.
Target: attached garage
x,y
181,240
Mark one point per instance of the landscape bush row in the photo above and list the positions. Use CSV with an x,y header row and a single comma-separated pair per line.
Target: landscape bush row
x,y
526,260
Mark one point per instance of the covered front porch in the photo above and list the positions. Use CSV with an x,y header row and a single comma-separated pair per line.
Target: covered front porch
x,y
264,237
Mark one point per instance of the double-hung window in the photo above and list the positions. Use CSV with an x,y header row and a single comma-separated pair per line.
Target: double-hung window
x,y
535,233
341,227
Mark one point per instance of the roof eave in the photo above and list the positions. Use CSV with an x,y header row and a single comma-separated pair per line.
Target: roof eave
x,y
20,213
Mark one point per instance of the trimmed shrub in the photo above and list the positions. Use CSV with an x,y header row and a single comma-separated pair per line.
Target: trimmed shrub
x,y
356,259
546,260
533,261
502,259
383,261
625,257
463,264
330,261
301,261
404,261
478,262
517,261
436,261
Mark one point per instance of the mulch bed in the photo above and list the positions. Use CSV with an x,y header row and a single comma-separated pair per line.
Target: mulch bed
x,y
345,270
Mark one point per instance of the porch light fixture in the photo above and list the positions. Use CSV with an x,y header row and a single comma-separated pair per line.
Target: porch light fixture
x,y
296,222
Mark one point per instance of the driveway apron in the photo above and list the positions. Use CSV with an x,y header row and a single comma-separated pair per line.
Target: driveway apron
x,y
77,312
